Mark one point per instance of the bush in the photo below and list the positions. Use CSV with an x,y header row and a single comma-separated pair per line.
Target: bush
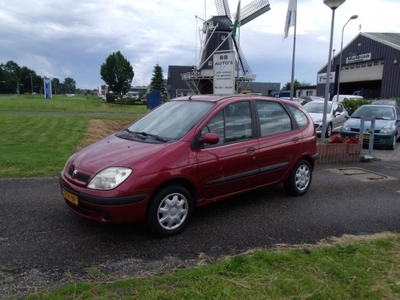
x,y
110,97
339,140
352,105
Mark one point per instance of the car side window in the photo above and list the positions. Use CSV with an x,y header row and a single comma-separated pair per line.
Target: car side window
x,y
273,118
216,125
238,121
233,123
300,117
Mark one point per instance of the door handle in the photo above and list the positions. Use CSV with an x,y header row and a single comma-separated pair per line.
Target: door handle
x,y
295,139
250,150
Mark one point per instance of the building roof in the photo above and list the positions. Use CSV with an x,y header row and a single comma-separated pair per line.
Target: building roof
x,y
389,39
174,76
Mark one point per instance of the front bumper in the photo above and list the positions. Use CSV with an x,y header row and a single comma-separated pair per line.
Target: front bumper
x,y
380,139
105,209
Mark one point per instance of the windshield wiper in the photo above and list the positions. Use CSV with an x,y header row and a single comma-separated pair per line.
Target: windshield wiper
x,y
158,138
143,135
136,133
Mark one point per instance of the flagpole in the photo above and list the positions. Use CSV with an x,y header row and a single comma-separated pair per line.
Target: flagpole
x,y
293,56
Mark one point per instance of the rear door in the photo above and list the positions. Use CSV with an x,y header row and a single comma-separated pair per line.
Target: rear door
x,y
280,141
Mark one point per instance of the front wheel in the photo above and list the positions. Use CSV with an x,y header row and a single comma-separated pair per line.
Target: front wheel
x,y
170,211
299,180
329,131
393,144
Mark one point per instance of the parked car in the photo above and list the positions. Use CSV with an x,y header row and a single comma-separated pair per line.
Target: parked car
x,y
313,98
340,98
385,102
335,117
189,152
387,125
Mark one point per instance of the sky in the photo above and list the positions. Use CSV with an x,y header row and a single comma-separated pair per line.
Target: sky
x,y
73,38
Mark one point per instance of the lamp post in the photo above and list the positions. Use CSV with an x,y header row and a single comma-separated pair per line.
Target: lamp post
x,y
333,4
340,59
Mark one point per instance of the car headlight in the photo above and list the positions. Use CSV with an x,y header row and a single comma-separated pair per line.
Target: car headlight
x,y
386,129
346,126
109,178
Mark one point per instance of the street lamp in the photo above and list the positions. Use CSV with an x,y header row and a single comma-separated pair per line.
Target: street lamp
x,y
340,59
333,4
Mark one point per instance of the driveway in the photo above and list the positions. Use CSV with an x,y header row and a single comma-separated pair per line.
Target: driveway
x,y
43,244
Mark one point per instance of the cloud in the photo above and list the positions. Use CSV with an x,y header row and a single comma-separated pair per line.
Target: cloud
x,y
73,38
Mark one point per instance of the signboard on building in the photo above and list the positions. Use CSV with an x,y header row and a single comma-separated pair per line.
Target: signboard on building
x,y
47,88
358,58
322,78
224,72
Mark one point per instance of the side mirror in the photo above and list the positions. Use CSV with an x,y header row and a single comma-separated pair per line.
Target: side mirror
x,y
209,138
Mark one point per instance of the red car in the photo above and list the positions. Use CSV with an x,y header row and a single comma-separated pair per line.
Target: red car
x,y
189,152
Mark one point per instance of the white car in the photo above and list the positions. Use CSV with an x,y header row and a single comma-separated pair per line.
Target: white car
x,y
342,97
335,117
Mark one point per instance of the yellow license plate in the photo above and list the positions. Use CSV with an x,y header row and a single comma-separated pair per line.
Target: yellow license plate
x,y
70,197
365,137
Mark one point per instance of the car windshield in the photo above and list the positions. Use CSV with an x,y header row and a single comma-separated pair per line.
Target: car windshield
x,y
380,113
317,107
170,121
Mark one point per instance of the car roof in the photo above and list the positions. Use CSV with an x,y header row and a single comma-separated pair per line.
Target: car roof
x,y
385,101
218,98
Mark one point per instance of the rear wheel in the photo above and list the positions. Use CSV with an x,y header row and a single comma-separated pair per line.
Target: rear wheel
x,y
170,211
299,180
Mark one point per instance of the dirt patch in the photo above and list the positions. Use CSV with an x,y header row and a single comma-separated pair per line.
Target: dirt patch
x,y
99,129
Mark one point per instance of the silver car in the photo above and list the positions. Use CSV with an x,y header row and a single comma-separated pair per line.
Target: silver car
x,y
336,115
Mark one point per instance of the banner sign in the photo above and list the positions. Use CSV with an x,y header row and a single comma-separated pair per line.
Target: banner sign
x,y
358,58
322,77
47,88
224,72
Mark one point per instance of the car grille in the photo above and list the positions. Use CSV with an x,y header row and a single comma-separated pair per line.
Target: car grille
x,y
79,176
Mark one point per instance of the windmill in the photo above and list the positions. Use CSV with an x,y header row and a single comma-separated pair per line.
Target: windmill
x,y
217,36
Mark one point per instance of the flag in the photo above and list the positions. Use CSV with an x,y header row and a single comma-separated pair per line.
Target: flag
x,y
290,16
237,21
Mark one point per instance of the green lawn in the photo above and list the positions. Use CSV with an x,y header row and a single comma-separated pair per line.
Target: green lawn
x,y
62,103
35,144
359,270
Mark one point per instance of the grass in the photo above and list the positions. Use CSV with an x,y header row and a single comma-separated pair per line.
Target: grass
x,y
62,103
38,145
35,144
356,270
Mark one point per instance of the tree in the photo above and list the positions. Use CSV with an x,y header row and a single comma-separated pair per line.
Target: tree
x,y
70,85
117,73
157,82
286,87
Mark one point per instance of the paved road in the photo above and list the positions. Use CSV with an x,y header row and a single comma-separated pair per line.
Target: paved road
x,y
42,243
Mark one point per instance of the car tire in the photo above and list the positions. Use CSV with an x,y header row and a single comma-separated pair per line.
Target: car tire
x,y
169,211
329,130
393,144
299,180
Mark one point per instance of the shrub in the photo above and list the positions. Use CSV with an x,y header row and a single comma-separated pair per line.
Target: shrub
x,y
339,140
352,105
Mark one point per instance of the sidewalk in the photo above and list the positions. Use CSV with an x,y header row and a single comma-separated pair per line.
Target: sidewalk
x,y
383,154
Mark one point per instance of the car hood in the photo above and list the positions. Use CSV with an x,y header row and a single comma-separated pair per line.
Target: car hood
x,y
115,152
379,124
